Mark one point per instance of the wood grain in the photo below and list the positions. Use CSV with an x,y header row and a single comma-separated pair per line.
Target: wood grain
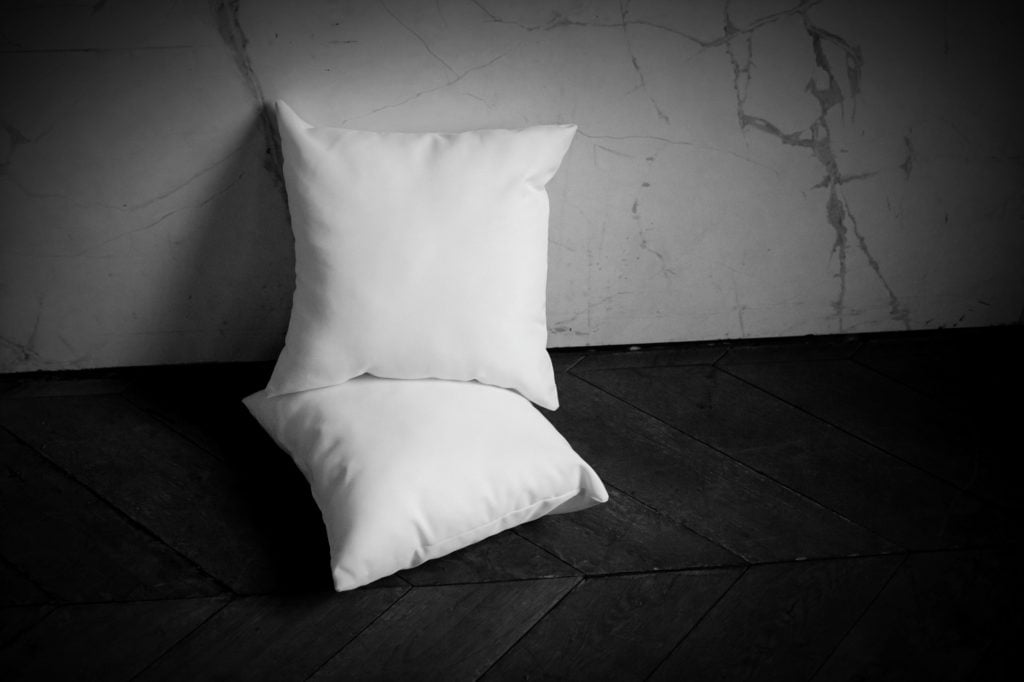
x,y
792,350
213,417
624,535
665,356
907,424
506,556
16,620
251,538
17,588
937,618
779,621
724,501
75,547
118,486
860,482
449,632
563,359
102,641
273,638
94,384
615,628
951,366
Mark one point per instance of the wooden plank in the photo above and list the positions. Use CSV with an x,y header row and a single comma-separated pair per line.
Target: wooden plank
x,y
717,497
18,589
624,535
448,632
791,350
102,641
936,620
254,535
858,481
505,556
563,359
9,382
903,422
213,417
16,620
657,356
614,628
967,372
953,364
64,382
272,637
779,621
1001,656
75,546
930,365
53,386
216,420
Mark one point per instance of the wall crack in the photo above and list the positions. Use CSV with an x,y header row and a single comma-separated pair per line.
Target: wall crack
x,y
426,46
229,25
447,84
817,139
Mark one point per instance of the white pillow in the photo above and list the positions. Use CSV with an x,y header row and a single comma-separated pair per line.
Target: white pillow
x,y
410,470
419,255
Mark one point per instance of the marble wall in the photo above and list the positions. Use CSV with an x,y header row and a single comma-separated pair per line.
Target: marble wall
x,y
743,168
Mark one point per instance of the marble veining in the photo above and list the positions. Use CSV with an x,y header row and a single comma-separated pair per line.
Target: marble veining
x,y
230,28
743,168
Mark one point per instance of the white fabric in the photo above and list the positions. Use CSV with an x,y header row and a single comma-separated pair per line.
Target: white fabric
x,y
419,255
410,470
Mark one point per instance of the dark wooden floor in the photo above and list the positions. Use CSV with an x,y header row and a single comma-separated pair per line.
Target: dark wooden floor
x,y
829,509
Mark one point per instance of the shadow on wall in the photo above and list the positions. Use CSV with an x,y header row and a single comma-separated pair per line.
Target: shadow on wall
x,y
231,283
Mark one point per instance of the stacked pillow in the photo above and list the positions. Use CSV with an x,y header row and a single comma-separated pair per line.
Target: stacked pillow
x,y
417,341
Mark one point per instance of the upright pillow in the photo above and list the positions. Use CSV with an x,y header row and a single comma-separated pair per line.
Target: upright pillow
x,y
409,470
419,256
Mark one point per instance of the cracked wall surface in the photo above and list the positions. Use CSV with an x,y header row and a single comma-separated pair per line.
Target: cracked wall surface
x,y
743,168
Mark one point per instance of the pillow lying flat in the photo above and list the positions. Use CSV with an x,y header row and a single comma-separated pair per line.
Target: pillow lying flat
x,y
419,256
409,470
